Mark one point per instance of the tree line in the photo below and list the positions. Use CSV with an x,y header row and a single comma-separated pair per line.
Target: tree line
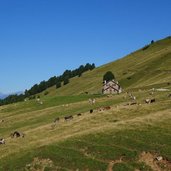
x,y
43,85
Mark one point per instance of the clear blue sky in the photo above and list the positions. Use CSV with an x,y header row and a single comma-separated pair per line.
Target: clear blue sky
x,y
42,38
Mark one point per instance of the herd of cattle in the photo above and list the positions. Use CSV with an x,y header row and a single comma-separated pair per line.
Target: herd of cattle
x,y
17,134
70,117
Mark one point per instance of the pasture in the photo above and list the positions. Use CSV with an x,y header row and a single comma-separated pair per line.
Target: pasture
x,y
120,138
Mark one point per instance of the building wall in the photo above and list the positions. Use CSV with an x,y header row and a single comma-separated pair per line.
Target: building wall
x,y
111,88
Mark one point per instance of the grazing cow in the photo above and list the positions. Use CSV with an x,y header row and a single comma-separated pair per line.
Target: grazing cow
x,y
2,141
91,110
107,108
133,98
79,114
148,101
151,93
1,120
38,99
17,134
92,101
56,120
89,100
152,100
100,109
133,103
68,117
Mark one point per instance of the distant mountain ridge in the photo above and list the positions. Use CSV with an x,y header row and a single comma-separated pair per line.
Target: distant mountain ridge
x,y
3,95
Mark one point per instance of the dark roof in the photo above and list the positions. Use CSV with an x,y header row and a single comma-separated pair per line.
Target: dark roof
x,y
110,87
111,81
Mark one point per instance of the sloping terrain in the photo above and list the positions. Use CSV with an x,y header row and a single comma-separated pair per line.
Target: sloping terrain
x,y
119,134
108,138
145,67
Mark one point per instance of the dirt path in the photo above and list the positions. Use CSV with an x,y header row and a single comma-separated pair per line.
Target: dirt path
x,y
112,163
110,166
150,160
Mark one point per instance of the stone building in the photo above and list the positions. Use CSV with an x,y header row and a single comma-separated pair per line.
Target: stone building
x,y
111,87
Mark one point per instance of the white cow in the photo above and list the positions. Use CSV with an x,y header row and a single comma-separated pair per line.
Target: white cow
x,y
92,101
2,141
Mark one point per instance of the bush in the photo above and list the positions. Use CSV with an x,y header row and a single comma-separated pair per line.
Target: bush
x,y
146,47
58,84
46,93
152,41
66,81
32,97
108,76
128,78
80,74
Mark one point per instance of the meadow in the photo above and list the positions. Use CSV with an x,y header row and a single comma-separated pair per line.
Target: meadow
x,y
102,140
117,136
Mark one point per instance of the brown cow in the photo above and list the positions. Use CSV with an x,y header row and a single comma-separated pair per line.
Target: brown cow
x,y
56,120
133,103
107,108
68,118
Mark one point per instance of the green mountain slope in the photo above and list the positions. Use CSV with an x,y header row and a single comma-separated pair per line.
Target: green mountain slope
x,y
139,69
115,137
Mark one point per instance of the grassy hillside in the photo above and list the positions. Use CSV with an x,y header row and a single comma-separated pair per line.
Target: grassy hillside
x,y
105,139
142,68
122,138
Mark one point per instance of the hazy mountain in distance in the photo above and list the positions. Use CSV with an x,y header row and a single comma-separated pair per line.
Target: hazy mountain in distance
x,y
3,95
